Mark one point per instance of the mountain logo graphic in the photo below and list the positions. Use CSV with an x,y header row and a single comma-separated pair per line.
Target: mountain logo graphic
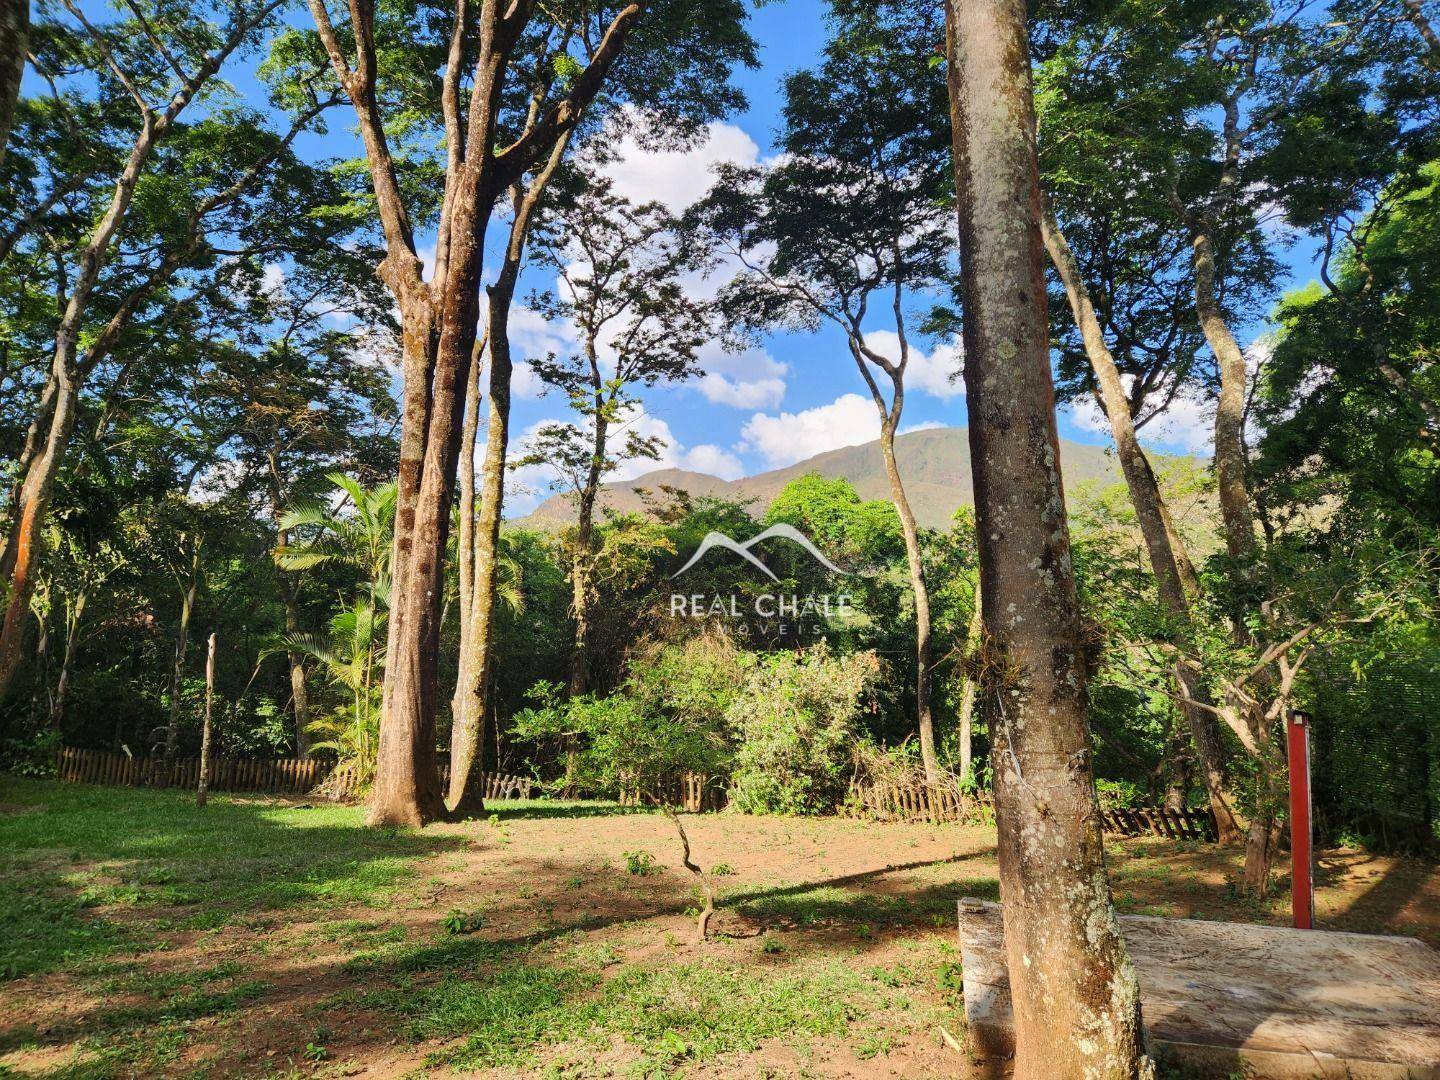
x,y
787,532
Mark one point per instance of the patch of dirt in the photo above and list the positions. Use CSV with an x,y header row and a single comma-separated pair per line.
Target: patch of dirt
x,y
869,894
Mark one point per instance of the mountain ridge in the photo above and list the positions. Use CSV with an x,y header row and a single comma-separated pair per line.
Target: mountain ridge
x,y
934,463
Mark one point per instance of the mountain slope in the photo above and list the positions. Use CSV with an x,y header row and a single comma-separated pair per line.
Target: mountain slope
x,y
935,464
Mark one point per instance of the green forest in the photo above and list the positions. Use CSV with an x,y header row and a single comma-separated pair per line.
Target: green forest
x,y
305,308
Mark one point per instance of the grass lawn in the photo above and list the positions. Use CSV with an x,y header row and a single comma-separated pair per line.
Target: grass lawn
x,y
142,937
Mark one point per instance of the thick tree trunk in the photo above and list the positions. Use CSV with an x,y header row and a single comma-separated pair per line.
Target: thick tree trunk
x,y
14,44
407,778
923,660
31,510
1075,992
480,556
1163,547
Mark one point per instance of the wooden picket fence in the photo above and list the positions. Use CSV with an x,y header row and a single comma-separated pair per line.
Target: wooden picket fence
x,y
1187,824
913,802
889,801
278,776
691,792
342,785
921,802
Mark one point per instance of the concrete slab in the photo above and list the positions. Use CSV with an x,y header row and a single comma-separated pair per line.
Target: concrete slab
x,y
1281,1003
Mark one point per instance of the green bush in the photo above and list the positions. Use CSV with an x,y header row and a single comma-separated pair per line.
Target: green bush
x,y
668,719
795,726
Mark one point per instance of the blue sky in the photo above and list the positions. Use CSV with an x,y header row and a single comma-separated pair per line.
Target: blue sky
x,y
798,394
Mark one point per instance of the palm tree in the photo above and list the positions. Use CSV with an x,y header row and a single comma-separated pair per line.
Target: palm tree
x,y
355,529
360,536
352,655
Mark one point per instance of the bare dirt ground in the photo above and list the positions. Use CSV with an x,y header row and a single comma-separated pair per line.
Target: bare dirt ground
x,y
528,945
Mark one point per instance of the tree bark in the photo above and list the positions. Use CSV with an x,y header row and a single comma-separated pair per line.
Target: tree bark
x,y
967,694
1415,14
582,568
438,332
480,554
924,663
67,662
202,788
299,682
1163,547
1230,464
14,46
467,712
182,644
1075,992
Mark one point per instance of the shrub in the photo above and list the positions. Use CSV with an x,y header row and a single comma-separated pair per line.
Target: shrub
x,y
795,725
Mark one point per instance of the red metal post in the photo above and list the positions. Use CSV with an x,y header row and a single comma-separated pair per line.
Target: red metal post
x,y
1302,877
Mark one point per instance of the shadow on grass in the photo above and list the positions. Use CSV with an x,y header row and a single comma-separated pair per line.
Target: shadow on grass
x,y
545,809
839,900
153,861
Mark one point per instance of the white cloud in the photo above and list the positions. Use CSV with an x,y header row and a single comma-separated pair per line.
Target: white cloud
x,y
923,425
936,373
273,278
530,485
712,459
531,334
782,440
677,178
524,383
749,379
1186,427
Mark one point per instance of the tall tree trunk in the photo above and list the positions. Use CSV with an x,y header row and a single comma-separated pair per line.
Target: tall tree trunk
x,y
481,554
67,662
202,788
14,45
182,644
299,684
290,602
407,779
1230,464
438,330
467,712
923,660
1163,547
1075,993
967,693
582,569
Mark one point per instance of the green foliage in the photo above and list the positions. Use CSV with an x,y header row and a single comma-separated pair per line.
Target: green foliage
x,y
795,724
457,922
640,863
